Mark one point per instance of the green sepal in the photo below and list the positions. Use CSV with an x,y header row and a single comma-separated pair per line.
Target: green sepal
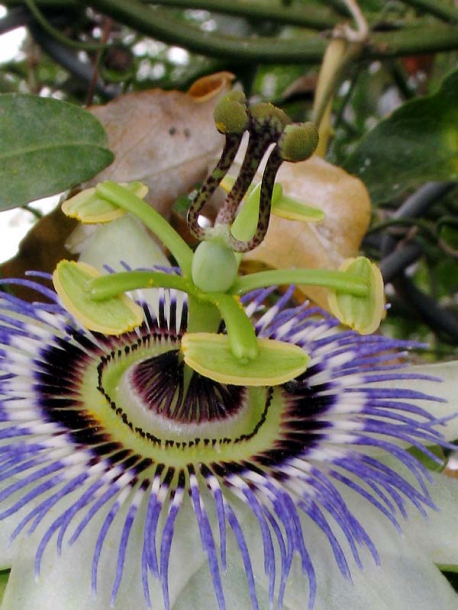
x,y
362,314
112,316
4,575
449,567
245,223
293,209
427,461
89,207
211,355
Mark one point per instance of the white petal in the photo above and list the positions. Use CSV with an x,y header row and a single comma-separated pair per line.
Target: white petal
x,y
438,536
8,547
123,240
64,582
404,580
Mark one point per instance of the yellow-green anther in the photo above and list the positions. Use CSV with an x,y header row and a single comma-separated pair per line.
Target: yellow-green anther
x,y
293,209
211,355
362,314
298,141
230,114
112,316
89,207
244,226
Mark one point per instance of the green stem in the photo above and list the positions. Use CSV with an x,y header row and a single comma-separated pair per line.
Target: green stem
x,y
162,26
413,41
339,55
57,35
340,281
436,8
152,220
44,3
314,17
202,317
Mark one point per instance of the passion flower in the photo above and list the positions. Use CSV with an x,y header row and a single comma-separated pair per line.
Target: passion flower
x,y
112,446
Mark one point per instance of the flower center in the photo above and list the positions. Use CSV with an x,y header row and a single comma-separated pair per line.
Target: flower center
x,y
158,395
135,391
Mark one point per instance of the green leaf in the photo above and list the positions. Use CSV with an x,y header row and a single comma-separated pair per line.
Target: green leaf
x,y
427,461
417,143
47,146
4,575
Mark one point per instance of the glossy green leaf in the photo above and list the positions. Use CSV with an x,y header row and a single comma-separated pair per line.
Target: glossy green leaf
x,y
417,143
210,355
47,146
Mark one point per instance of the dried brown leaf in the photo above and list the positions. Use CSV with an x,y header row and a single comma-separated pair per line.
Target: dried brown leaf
x,y
165,139
40,250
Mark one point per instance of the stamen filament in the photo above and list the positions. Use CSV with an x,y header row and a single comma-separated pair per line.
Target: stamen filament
x,y
206,309
151,219
108,286
337,280
242,337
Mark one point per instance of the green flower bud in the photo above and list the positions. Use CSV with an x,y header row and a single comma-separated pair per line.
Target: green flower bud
x,y
298,141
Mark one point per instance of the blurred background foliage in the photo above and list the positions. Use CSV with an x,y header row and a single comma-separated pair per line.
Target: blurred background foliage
x,y
393,109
